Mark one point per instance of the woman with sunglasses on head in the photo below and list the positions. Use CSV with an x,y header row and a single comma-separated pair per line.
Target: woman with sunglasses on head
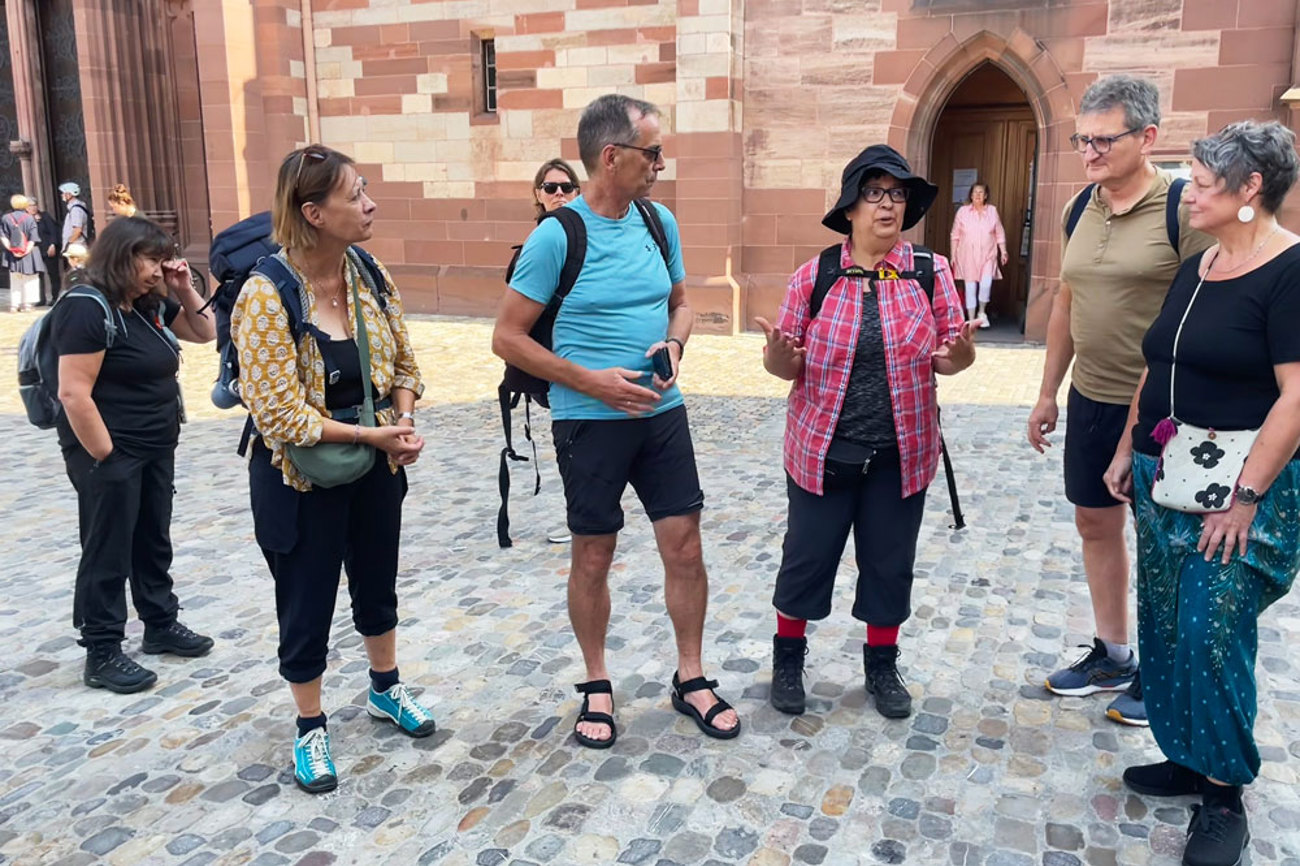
x,y
343,393
862,427
118,430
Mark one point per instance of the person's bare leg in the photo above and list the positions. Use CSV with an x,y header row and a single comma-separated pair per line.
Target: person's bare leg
x,y
686,593
382,651
1105,562
589,615
307,697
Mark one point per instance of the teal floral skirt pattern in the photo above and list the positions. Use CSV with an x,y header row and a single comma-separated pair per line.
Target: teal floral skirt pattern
x,y
1197,624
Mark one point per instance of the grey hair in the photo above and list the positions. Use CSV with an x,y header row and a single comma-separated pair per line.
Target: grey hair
x,y
1137,96
1240,149
609,120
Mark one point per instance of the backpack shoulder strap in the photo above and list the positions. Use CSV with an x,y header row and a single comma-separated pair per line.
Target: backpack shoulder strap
x,y
575,235
286,284
828,271
84,290
650,216
1171,210
1077,208
923,268
514,260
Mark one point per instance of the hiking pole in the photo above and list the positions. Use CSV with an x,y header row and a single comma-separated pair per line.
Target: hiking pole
x,y
959,520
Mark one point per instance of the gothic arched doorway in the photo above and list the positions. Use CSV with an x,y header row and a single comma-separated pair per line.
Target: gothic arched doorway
x,y
987,131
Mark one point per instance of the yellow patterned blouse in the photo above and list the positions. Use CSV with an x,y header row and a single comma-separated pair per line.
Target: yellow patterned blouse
x,y
285,390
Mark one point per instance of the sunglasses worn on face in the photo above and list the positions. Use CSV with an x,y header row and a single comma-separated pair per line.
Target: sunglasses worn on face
x,y
655,153
874,194
1100,143
551,187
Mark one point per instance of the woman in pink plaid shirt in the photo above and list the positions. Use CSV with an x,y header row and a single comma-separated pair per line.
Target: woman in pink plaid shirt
x,y
862,427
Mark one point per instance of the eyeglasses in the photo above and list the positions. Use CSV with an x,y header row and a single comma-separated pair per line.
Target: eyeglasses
x,y
1100,143
873,194
306,152
655,153
551,187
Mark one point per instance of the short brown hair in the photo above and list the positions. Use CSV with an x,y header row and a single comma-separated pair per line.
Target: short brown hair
x,y
988,193
308,174
544,171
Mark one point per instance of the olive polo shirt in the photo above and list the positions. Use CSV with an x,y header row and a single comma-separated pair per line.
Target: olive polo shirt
x,y
1119,267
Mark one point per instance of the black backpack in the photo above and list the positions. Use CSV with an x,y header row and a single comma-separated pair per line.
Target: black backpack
x,y
38,363
517,384
1080,204
88,230
829,270
240,251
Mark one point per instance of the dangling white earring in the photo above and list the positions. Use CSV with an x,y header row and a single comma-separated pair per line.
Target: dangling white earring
x,y
1246,214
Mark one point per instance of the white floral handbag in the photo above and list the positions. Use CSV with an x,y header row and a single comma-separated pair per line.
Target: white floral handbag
x,y
1199,466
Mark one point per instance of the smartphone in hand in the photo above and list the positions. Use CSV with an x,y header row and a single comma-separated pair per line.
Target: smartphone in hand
x,y
663,364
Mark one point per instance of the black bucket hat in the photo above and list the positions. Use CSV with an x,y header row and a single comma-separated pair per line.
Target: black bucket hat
x,y
880,157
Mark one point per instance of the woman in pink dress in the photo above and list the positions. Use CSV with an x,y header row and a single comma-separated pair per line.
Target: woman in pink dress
x,y
979,245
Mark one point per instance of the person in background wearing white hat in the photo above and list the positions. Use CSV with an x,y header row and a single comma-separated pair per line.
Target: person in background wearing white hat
x,y
20,236
76,225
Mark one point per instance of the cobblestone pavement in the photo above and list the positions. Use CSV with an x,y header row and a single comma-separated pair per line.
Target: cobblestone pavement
x,y
988,771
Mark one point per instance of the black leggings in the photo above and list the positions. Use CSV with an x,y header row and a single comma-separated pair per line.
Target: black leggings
x,y
307,537
885,527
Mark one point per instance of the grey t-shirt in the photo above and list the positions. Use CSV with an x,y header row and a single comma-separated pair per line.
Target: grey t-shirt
x,y
867,417
76,220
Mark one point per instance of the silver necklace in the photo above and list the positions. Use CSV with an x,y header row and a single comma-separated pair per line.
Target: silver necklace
x,y
1259,249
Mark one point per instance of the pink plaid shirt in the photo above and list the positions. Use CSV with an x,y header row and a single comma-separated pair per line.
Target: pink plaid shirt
x,y
909,326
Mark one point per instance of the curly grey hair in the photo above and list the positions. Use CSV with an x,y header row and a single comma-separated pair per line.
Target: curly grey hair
x,y
1241,149
608,120
1137,96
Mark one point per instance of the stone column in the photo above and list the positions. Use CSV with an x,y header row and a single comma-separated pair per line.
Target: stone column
x,y
710,158
29,98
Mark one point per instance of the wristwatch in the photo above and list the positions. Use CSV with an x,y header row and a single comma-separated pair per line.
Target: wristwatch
x,y
1249,495
406,416
681,347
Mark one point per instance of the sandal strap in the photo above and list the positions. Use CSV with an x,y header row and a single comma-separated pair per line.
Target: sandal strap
x,y
714,711
698,684
595,687
598,718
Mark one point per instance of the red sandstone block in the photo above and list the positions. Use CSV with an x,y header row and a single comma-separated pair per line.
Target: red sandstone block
x,y
1265,45
714,188
530,99
334,106
713,145
785,201
717,87
467,231
389,250
758,230
766,260
435,252
455,102
688,7
333,5
667,52
491,253
702,211
642,2
619,36
801,229
569,149
511,189
655,73
696,234
433,31
448,209
387,52
914,33
514,79
395,33
355,36
1266,13
368,105
540,22
444,48
698,167
384,85
657,34
1232,87
894,67
401,66
525,59
599,4
1077,18
510,210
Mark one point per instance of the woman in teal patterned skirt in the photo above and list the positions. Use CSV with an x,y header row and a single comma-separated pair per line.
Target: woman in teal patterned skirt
x,y
1204,578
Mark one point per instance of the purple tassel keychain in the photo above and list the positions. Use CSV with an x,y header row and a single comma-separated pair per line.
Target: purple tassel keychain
x,y
1164,431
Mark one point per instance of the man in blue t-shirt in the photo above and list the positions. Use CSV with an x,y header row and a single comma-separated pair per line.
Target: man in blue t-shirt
x,y
615,421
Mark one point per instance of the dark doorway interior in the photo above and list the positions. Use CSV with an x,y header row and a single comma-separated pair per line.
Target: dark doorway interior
x,y
62,77
987,132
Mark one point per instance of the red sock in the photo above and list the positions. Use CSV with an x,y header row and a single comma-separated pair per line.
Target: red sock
x,y
882,635
786,627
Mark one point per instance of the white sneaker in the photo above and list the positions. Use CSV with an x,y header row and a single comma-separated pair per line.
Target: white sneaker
x,y
559,536
982,320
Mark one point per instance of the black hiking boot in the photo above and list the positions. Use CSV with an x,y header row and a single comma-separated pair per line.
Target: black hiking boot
x,y
787,674
884,681
108,668
176,639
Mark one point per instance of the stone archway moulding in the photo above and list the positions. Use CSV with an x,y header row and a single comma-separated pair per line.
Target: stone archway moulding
x,y
1031,66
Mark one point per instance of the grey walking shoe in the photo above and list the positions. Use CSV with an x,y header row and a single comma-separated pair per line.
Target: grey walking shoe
x,y
1093,672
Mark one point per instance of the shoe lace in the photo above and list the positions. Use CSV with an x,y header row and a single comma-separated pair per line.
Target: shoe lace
x,y
1134,689
884,674
1211,822
789,671
1095,652
317,745
407,704
182,631
124,663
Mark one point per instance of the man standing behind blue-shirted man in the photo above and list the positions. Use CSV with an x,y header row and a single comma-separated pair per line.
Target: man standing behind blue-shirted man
x,y
615,421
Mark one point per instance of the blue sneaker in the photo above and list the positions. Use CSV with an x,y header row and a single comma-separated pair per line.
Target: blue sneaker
x,y
1129,708
313,768
1094,672
400,708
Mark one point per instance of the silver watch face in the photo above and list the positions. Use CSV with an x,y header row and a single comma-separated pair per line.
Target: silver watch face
x,y
1247,495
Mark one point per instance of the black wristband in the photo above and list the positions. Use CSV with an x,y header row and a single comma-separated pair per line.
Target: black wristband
x,y
681,347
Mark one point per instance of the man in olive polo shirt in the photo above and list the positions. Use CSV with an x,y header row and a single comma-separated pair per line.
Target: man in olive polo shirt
x,y
1117,262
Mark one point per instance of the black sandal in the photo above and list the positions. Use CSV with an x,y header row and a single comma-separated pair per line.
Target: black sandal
x,y
595,687
704,722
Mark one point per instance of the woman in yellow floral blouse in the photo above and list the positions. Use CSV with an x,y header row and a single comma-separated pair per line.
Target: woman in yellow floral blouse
x,y
308,532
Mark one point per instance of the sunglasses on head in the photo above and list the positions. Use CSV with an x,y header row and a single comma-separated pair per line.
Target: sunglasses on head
x,y
306,152
551,187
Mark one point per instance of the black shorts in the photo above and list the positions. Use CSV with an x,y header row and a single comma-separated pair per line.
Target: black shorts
x,y
598,459
1092,433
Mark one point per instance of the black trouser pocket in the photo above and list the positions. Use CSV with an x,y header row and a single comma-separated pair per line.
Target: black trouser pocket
x,y
839,475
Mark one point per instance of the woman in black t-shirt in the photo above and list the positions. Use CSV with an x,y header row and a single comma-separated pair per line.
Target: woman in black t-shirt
x,y
1203,578
115,335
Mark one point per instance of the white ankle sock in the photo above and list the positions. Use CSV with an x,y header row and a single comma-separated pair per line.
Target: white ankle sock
x,y
1119,653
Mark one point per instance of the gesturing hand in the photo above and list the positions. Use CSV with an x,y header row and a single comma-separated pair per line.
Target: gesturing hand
x,y
959,353
614,388
783,349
